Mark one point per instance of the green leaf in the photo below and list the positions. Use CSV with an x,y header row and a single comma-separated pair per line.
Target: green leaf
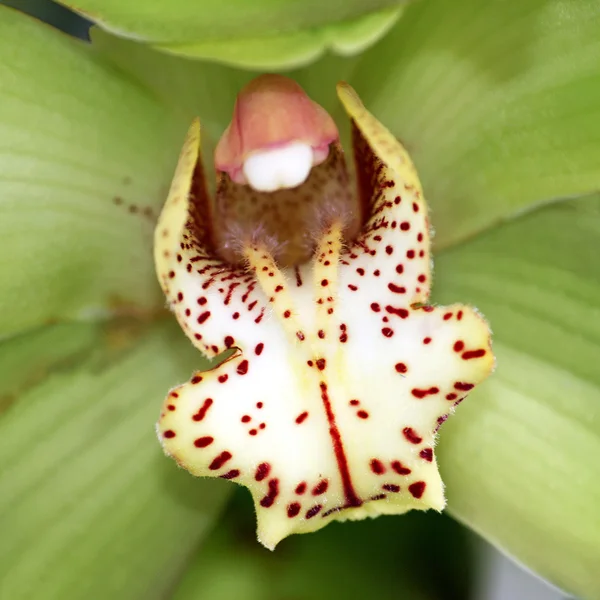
x,y
386,558
87,156
519,461
180,21
498,103
90,507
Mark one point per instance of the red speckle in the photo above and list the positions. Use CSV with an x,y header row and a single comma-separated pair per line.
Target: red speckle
x,y
397,200
262,425
422,278
352,288
202,301
362,414
360,271
377,466
390,487
228,341
170,407
293,509
246,419
473,354
269,499
387,332
202,442
397,289
400,468
324,282
223,378
301,488
459,315
321,364
344,338
427,340
354,402
203,410
279,288
447,316
169,433
410,254
287,314
400,367
171,274
231,474
405,225
375,307
417,488
415,207
458,346
220,460
320,488
242,368
236,315
411,435
259,348
389,249
422,253
422,393
196,379
262,471
253,432
399,269
399,312
321,334
426,454
259,405
451,396
203,317
179,297
312,512
301,417
463,387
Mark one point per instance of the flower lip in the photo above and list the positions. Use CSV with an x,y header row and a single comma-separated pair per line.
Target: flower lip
x,y
272,117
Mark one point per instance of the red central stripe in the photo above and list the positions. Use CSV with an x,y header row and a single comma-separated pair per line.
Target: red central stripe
x,y
351,497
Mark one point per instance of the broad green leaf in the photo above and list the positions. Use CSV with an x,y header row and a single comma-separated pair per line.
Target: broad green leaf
x,y
520,458
181,21
86,157
89,505
498,103
388,558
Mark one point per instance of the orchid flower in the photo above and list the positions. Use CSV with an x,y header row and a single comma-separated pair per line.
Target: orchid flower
x,y
497,104
341,373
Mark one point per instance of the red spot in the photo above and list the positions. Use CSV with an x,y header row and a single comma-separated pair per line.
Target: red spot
x,y
463,387
202,442
427,309
390,487
426,454
375,307
405,225
422,253
259,348
203,410
447,316
202,301
179,296
324,282
301,417
427,340
377,466
422,278
397,200
220,460
396,288
417,488
399,312
203,317
262,471
360,271
171,274
422,393
473,354
321,334
231,474
354,402
314,511
352,288
399,269
293,509
321,364
259,405
387,332
415,207
269,499
279,288
228,341
246,419
410,254
287,314
451,396
411,435
236,315
301,488
420,237
262,425
253,432
223,378
320,488
389,249
400,468
196,379
242,368
401,367
169,433
458,346
459,315
171,407
362,414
